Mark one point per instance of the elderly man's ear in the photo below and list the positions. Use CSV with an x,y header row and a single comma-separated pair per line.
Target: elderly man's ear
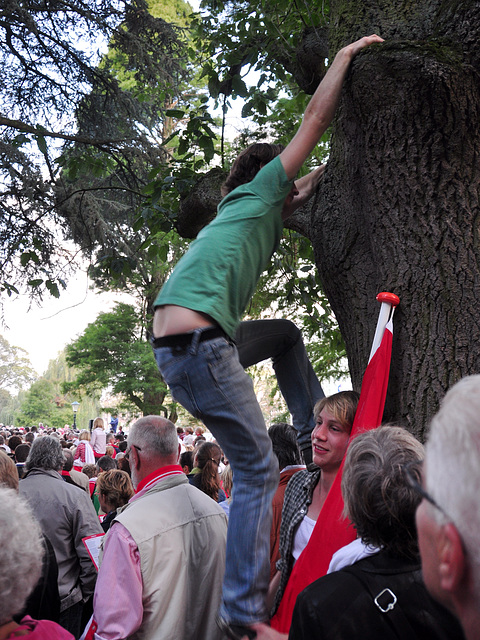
x,y
453,565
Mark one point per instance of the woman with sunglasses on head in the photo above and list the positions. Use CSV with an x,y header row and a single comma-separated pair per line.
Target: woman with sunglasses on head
x,y
205,475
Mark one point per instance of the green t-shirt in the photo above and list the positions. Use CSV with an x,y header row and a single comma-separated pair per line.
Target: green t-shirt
x,y
221,268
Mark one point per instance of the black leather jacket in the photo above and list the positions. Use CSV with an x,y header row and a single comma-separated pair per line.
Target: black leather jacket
x,y
341,605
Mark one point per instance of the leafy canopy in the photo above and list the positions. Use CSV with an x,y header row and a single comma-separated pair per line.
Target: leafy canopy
x,y
113,353
59,90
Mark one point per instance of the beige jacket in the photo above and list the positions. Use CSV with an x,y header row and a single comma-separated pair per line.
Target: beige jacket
x,y
181,535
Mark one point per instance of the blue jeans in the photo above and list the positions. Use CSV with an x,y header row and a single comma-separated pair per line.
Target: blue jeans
x,y
281,340
208,380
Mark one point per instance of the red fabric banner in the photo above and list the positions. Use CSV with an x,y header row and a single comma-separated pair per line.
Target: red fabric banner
x,y
332,531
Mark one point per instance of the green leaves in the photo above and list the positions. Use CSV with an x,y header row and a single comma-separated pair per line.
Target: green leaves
x,y
113,352
42,145
15,368
52,288
29,255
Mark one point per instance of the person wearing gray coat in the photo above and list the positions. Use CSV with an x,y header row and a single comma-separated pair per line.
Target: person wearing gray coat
x,y
66,516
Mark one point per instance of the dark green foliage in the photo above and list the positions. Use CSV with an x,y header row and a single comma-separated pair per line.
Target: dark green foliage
x,y
58,88
113,352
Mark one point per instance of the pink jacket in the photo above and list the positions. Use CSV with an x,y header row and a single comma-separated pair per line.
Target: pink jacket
x,y
41,630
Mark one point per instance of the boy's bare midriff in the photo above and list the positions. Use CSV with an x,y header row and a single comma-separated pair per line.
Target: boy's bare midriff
x,y
170,319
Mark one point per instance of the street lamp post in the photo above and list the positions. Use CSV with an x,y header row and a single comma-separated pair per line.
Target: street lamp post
x,y
75,406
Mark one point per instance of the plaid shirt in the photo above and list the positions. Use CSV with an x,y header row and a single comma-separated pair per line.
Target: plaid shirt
x,y
298,496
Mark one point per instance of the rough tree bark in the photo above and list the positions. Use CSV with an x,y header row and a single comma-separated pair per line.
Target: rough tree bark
x,y
399,207
400,203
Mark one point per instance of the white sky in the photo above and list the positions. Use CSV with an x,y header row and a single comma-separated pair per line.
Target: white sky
x,y
44,331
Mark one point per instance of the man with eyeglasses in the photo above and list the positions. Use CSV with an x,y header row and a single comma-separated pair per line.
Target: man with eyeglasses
x,y
448,518
164,555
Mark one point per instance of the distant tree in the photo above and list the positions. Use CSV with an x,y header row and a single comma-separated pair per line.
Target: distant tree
x,y
112,353
16,372
59,372
40,404
6,401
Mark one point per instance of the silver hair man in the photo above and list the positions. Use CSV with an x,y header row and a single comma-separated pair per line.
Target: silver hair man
x,y
448,518
157,439
66,516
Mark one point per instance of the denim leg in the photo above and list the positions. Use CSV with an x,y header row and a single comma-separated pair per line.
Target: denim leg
x,y
209,381
281,340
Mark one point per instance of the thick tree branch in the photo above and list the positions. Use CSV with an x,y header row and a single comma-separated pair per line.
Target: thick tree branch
x,y
28,128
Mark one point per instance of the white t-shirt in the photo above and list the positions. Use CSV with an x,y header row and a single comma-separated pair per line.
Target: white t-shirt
x,y
349,554
302,536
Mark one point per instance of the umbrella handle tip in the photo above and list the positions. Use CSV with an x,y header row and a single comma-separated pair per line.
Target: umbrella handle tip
x,y
389,298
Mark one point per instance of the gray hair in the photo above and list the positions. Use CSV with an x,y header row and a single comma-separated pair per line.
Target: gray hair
x,y
378,498
452,470
20,564
45,453
106,463
156,436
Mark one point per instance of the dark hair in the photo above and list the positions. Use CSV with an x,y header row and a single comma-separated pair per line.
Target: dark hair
x,y
123,446
378,498
21,452
249,163
68,460
124,465
13,442
284,442
186,460
208,459
105,463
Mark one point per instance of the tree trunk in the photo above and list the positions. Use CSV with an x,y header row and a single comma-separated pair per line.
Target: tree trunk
x,y
399,206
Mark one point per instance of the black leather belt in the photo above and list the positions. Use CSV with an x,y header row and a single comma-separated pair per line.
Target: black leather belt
x,y
185,339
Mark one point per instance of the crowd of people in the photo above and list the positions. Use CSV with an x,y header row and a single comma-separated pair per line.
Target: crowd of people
x,y
161,563
166,535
